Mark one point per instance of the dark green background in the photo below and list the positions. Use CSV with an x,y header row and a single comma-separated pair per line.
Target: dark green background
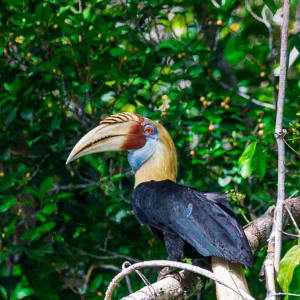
x,y
66,65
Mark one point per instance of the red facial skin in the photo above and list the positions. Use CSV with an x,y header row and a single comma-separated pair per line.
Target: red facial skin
x,y
136,138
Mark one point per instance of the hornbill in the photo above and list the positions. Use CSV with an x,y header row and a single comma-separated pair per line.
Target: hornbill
x,y
189,222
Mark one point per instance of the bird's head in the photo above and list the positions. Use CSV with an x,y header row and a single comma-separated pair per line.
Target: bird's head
x,y
152,154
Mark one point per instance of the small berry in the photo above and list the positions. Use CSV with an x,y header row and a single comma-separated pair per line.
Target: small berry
x,y
192,152
262,74
261,125
19,39
234,27
211,127
261,132
165,97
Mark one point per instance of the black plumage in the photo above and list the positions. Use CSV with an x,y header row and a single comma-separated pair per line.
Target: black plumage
x,y
190,222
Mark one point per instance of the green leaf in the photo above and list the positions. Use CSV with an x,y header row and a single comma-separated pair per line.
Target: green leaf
x,y
260,161
3,292
287,267
46,227
40,217
49,208
7,204
87,12
245,161
164,45
195,70
96,282
11,116
46,185
27,114
43,11
271,4
24,292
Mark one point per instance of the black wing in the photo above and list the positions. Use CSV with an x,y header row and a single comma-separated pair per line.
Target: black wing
x,y
207,225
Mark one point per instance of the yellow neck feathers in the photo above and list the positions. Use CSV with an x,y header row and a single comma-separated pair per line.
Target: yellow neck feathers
x,y
162,164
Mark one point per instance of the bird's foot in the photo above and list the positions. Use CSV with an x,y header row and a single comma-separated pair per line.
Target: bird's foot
x,y
168,272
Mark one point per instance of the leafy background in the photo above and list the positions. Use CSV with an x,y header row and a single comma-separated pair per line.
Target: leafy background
x,y
65,231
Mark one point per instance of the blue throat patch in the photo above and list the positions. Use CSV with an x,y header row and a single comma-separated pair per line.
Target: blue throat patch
x,y
138,157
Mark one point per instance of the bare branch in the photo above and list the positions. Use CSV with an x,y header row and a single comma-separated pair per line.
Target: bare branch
x,y
275,241
293,220
169,288
243,95
259,230
165,263
257,233
283,294
253,14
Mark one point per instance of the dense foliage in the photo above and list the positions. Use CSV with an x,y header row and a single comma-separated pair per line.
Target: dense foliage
x,y
65,231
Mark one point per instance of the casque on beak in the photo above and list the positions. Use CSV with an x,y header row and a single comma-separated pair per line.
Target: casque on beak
x,y
110,136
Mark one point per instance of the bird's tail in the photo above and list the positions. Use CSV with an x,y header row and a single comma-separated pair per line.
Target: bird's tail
x,y
232,273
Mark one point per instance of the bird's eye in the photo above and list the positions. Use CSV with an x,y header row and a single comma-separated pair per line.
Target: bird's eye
x,y
148,129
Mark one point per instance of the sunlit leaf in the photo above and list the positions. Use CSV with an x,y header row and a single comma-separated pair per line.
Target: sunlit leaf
x,y
260,161
49,208
287,267
7,203
245,161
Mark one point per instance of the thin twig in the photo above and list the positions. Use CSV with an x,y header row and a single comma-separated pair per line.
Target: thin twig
x,y
215,4
298,153
292,218
243,95
165,263
104,257
279,134
283,294
253,14
126,264
57,188
120,255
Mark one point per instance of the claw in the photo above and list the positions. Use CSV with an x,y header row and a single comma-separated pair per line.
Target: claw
x,y
167,272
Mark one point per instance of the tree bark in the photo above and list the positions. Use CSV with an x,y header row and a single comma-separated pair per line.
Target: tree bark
x,y
257,233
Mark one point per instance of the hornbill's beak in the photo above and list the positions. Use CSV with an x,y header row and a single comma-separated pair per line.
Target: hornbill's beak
x,y
110,136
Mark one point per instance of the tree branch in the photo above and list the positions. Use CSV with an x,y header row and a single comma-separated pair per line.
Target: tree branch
x,y
173,264
272,260
257,233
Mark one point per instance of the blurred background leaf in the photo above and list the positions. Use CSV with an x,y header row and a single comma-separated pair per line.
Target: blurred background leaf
x,y
198,67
